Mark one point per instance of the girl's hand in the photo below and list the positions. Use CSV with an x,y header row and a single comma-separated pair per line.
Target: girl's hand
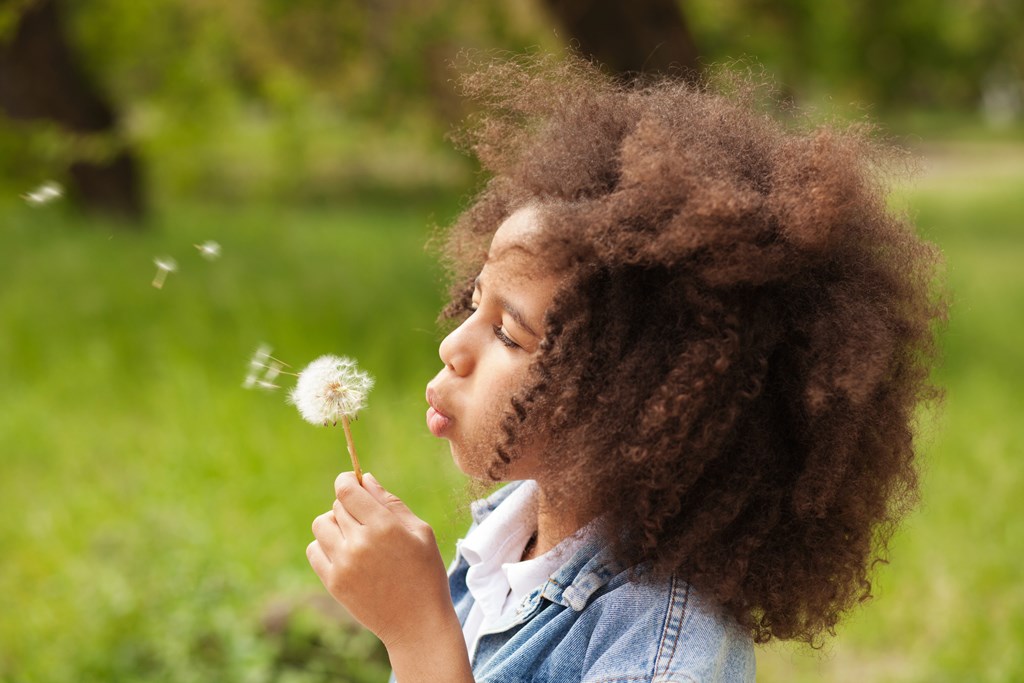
x,y
381,562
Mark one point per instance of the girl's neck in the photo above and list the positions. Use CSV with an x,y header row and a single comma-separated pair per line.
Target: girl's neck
x,y
553,526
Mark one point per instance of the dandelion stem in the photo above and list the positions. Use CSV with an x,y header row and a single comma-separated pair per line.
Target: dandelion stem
x,y
351,449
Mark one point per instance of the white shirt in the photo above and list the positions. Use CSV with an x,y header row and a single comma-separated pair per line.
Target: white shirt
x,y
497,579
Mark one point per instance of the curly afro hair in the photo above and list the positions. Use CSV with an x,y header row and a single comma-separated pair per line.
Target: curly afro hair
x,y
730,373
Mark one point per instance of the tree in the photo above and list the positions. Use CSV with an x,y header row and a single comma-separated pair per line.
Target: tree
x,y
644,36
40,80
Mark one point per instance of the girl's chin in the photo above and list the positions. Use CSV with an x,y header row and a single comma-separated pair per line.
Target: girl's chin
x,y
482,467
469,462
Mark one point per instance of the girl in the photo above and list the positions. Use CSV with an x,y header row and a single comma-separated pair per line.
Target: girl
x,y
694,341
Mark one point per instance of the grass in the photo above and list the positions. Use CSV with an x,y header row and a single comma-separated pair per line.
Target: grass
x,y
153,514
149,505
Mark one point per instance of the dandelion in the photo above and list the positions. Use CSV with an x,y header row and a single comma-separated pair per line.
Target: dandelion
x,y
263,370
44,194
164,265
209,250
330,390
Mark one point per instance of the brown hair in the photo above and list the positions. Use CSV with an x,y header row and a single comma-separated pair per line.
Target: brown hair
x,y
730,373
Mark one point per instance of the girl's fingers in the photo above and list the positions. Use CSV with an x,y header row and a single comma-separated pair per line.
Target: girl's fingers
x,y
318,560
391,502
380,494
346,522
357,501
328,534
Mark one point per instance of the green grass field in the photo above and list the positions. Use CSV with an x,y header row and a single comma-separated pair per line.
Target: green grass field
x,y
154,514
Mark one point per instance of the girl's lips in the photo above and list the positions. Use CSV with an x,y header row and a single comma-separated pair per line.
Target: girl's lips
x,y
437,421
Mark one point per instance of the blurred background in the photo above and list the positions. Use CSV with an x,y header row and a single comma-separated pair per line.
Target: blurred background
x,y
154,514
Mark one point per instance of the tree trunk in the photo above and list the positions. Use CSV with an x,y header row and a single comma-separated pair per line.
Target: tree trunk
x,y
630,37
39,79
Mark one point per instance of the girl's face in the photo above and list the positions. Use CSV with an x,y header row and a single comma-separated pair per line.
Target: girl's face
x,y
487,357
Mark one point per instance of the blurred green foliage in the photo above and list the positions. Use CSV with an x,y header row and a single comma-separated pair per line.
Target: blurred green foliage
x,y
262,98
915,53
316,100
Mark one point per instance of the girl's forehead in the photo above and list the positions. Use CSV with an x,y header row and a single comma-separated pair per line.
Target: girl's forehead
x,y
514,257
516,233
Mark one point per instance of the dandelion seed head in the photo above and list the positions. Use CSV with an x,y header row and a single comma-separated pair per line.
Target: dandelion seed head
x,y
329,389
209,250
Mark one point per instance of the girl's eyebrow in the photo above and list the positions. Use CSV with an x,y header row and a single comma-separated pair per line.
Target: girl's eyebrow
x,y
510,308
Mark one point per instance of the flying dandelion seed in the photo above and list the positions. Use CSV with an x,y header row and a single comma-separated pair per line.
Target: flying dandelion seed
x,y
164,265
209,250
267,381
272,371
330,390
44,194
256,366
263,370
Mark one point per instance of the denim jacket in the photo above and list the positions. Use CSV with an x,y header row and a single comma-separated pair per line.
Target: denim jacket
x,y
590,624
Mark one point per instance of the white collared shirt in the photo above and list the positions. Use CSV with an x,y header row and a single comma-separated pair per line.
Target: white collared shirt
x,y
497,578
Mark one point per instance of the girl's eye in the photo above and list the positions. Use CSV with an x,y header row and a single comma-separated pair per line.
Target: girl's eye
x,y
499,332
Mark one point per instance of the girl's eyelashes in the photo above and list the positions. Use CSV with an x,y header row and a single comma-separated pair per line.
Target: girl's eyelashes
x,y
499,332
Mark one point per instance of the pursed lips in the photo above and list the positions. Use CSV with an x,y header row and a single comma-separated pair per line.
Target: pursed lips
x,y
434,402
437,420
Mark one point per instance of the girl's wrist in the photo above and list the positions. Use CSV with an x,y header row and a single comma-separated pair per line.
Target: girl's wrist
x,y
433,652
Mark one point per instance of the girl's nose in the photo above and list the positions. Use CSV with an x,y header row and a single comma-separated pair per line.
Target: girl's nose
x,y
456,351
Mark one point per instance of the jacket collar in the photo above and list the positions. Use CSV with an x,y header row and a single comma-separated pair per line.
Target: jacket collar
x,y
571,585
481,509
